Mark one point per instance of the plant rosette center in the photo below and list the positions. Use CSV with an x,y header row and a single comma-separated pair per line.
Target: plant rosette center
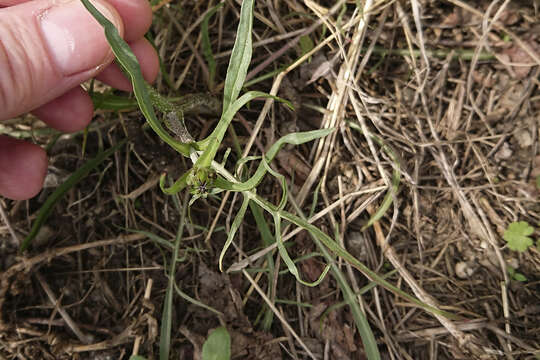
x,y
201,181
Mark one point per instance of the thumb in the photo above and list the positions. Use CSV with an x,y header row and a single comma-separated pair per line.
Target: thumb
x,y
48,47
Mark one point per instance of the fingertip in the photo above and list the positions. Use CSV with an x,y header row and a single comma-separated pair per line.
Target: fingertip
x,y
48,47
69,112
148,59
23,167
137,16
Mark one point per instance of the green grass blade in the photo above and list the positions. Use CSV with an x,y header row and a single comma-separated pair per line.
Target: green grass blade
x,y
282,182
178,185
207,46
392,191
315,199
77,176
240,56
297,139
164,73
360,292
277,226
155,238
217,346
196,302
166,323
267,240
344,254
294,139
287,259
396,178
234,227
106,101
166,317
337,250
368,339
213,141
129,63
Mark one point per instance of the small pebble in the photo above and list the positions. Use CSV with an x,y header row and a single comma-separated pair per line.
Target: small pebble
x,y
463,270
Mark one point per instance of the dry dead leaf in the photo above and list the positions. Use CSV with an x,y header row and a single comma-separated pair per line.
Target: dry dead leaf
x,y
457,17
523,138
519,61
504,153
293,165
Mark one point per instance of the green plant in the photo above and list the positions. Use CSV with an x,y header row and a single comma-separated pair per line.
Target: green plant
x,y
515,275
75,178
217,346
208,176
517,235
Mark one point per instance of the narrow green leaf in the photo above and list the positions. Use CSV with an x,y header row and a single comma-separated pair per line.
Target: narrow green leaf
x,y
282,181
51,201
137,357
297,139
178,185
217,346
130,64
166,323
207,46
267,240
368,339
212,142
112,102
240,56
294,139
392,191
155,238
306,45
396,178
196,302
315,199
234,227
339,251
287,259
166,317
360,320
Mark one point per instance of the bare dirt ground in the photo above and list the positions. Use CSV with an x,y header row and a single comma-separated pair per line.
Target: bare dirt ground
x,y
451,87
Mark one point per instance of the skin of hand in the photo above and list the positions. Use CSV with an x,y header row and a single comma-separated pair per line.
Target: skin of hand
x,y
47,49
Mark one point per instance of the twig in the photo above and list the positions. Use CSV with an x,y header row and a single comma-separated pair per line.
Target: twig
x,y
5,219
278,314
85,339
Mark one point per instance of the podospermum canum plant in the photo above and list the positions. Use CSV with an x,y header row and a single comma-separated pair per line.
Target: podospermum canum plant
x,y
208,176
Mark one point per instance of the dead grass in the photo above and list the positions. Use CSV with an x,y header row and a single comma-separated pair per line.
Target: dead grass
x,y
452,88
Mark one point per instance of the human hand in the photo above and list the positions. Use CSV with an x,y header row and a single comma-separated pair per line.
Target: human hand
x,y
47,49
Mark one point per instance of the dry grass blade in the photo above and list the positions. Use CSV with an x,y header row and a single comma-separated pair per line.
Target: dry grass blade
x,y
450,87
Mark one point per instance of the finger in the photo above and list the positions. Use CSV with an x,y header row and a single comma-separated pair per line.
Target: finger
x,y
136,15
24,166
73,110
148,59
47,48
69,112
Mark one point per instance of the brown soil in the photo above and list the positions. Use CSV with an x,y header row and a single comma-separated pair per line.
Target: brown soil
x,y
451,87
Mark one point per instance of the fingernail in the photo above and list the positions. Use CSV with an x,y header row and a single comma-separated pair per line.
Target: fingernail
x,y
75,39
